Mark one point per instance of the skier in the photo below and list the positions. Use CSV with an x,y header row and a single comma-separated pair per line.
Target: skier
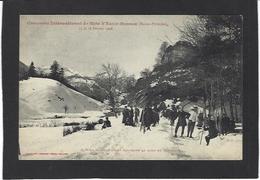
x,y
192,120
137,113
210,126
182,116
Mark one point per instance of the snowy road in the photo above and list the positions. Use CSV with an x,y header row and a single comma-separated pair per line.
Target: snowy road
x,y
124,143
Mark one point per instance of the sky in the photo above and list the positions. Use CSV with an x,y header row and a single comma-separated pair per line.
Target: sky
x,y
85,42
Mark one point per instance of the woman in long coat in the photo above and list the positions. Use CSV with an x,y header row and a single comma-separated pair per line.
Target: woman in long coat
x,y
146,118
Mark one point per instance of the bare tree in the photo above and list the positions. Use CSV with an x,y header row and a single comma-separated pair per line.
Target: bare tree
x,y
110,79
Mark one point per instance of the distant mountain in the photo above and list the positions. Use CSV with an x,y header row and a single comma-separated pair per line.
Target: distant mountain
x,y
84,84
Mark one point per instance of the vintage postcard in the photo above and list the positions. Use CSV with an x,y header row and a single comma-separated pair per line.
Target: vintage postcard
x,y
130,87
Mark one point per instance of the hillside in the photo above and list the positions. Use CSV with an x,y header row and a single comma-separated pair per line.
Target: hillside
x,y
23,69
84,84
40,96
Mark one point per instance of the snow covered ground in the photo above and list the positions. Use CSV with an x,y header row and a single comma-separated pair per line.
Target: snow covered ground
x,y
124,143
49,119
39,96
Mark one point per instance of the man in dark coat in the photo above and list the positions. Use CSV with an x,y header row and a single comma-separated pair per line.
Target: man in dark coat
x,y
130,120
200,120
225,121
125,115
173,114
182,116
168,112
210,125
147,118
162,106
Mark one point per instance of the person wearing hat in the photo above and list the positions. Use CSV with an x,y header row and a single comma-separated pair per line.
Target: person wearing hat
x,y
182,116
146,118
192,120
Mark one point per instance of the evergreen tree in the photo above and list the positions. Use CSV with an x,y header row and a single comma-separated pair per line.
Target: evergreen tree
x,y
218,40
210,68
61,75
31,71
54,70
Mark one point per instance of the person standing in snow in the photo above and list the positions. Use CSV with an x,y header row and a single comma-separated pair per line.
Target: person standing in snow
x,y
173,115
210,126
225,121
182,116
146,119
137,113
168,112
162,107
131,117
200,120
156,116
192,120
125,115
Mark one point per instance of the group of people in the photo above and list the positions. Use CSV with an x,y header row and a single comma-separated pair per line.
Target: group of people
x,y
130,116
149,117
183,117
192,117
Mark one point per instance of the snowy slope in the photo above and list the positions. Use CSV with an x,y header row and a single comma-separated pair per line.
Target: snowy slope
x,y
40,96
84,84
23,70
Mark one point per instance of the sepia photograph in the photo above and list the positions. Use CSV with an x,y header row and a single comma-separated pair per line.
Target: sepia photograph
x,y
130,87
